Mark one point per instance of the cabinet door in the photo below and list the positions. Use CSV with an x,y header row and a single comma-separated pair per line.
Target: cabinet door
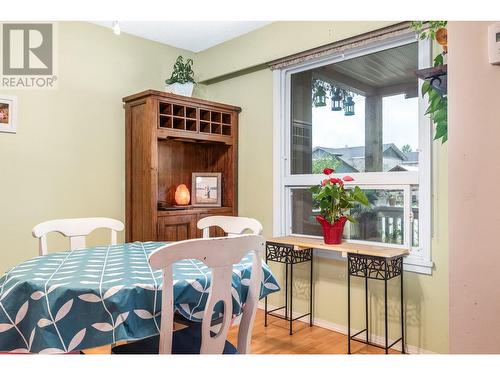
x,y
176,228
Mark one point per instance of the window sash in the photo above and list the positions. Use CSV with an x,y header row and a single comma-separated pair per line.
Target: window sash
x,y
419,259
408,237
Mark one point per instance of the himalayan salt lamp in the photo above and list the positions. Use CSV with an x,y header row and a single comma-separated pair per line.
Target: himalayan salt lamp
x,y
182,196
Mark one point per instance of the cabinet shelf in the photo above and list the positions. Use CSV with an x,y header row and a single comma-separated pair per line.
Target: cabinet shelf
x,y
194,137
166,211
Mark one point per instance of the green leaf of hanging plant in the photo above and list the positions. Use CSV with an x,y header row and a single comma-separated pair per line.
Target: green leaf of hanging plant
x,y
441,130
445,137
429,110
438,60
435,101
426,86
440,115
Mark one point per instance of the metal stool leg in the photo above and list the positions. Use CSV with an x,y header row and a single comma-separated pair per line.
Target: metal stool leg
x,y
286,290
385,316
348,307
311,294
291,297
366,308
402,316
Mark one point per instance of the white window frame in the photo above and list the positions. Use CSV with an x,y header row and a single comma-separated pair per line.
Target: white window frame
x,y
419,259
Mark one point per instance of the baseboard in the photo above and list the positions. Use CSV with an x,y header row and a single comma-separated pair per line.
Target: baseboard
x,y
343,330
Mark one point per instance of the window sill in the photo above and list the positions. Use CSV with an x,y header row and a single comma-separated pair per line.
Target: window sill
x,y
410,263
418,265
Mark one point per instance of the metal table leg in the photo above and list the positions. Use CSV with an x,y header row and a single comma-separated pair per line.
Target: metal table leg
x,y
286,291
378,268
348,307
402,317
311,293
366,308
288,255
291,297
385,317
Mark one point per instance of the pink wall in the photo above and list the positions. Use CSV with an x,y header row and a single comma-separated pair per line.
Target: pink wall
x,y
474,191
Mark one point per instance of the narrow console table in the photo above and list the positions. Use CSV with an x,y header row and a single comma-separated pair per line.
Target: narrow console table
x,y
366,261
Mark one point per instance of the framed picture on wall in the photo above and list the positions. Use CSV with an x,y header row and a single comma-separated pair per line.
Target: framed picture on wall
x,y
8,114
206,189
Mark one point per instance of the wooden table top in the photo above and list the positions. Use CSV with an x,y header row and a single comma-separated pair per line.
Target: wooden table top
x,y
302,243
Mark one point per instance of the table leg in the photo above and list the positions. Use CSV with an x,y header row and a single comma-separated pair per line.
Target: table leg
x,y
311,293
385,311
291,297
265,311
366,306
265,301
402,315
348,307
286,290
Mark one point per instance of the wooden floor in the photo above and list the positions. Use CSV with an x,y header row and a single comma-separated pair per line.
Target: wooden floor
x,y
275,340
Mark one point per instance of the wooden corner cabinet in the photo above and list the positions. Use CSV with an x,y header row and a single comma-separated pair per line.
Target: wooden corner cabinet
x,y
168,137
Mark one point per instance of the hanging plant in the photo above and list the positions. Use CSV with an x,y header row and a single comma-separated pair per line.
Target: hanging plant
x,y
438,103
437,111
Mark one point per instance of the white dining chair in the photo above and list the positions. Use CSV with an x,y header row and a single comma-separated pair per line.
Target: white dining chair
x,y
220,254
231,225
76,230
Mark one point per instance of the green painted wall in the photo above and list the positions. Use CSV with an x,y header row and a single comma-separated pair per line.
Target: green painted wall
x,y
426,296
68,156
276,40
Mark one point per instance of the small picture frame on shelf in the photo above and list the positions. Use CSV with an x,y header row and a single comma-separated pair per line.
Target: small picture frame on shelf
x,y
8,114
206,189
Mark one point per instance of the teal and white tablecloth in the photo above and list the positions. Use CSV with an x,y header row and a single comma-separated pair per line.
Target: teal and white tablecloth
x,y
81,299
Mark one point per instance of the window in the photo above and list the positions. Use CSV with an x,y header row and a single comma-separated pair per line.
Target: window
x,y
359,111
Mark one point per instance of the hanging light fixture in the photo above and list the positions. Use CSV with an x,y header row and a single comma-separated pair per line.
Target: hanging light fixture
x,y
337,99
348,106
341,99
319,97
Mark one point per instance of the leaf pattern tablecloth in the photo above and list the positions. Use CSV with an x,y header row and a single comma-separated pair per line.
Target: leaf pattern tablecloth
x,y
81,299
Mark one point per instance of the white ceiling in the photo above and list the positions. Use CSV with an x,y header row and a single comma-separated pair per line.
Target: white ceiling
x,y
194,36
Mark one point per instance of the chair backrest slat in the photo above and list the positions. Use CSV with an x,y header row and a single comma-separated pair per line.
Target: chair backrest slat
x,y
220,254
232,225
76,230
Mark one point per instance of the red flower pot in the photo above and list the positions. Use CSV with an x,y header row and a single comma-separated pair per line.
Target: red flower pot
x,y
332,233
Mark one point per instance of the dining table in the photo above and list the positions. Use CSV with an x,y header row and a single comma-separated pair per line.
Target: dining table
x,y
78,299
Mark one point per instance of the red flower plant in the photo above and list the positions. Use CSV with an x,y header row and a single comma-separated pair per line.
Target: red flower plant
x,y
337,181
334,201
